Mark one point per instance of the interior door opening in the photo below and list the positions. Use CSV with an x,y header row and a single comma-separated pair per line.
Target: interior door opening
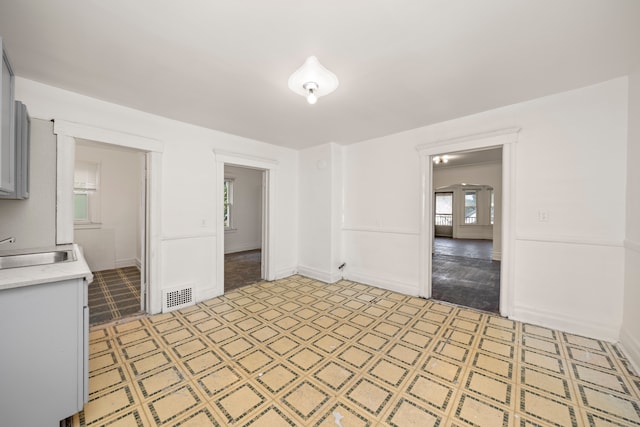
x,y
110,205
243,199
465,255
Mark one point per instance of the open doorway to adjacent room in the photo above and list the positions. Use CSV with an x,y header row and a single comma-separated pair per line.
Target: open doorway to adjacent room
x,y
467,228
109,204
243,226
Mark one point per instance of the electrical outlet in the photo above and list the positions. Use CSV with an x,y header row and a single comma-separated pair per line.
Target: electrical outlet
x,y
543,216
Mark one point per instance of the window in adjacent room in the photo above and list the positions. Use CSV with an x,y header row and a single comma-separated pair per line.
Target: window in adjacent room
x,y
228,204
86,195
470,207
444,209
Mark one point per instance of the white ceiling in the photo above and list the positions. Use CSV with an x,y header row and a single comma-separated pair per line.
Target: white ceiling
x,y
402,64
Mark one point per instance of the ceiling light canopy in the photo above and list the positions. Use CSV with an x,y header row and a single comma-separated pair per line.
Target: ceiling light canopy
x,y
312,80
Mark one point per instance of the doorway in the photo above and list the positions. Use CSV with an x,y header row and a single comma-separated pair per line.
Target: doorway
x,y
268,168
465,270
243,218
109,224
505,139
68,134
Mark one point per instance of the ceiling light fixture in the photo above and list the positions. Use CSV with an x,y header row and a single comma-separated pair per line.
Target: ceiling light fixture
x,y
312,80
441,159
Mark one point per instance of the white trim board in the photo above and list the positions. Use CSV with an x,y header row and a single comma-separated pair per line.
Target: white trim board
x,y
244,247
383,283
632,245
92,133
323,276
631,348
384,230
568,324
569,240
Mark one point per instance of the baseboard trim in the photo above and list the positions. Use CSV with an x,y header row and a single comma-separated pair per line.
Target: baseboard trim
x,y
286,272
496,255
630,346
323,276
203,295
242,248
547,319
122,263
384,283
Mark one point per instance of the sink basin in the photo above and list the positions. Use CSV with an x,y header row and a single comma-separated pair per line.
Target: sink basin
x,y
36,258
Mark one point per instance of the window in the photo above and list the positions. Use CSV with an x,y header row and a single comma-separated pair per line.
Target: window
x,y
228,203
492,207
470,207
86,198
444,209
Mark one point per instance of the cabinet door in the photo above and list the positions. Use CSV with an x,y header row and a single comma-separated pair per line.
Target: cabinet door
x,y
7,141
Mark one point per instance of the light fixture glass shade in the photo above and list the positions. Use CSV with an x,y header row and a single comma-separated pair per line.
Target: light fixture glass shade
x,y
313,72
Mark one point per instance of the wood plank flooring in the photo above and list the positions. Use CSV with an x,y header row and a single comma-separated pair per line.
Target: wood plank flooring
x,y
463,273
242,268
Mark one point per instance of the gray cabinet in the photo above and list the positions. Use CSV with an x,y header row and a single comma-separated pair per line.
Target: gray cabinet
x,y
7,127
44,352
21,149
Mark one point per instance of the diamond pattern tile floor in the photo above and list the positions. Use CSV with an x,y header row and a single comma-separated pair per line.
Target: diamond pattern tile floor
x,y
298,352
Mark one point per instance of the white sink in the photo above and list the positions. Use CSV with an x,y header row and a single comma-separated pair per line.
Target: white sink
x,y
36,258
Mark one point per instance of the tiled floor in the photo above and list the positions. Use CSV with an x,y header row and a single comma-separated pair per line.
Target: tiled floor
x,y
242,268
301,352
114,294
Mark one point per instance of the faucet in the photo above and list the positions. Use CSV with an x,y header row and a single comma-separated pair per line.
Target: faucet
x,y
8,240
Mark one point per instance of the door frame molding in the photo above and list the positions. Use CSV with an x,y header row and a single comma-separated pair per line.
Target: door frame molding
x,y
269,168
505,138
66,133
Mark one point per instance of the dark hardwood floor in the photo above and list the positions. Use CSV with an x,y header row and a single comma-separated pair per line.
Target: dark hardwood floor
x,y
463,273
242,268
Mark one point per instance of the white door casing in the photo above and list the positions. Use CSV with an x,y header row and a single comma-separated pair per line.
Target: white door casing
x,y
66,133
269,167
505,138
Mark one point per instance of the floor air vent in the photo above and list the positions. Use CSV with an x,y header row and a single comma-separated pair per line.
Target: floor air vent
x,y
175,298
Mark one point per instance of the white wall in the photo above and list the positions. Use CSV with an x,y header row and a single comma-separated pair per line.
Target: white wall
x,y
561,265
32,221
630,332
320,211
187,250
381,213
246,211
116,243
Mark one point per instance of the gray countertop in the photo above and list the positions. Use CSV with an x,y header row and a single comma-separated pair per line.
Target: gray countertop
x,y
37,274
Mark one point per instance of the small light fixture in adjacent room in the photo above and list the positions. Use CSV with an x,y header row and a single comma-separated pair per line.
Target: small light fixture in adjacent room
x,y
312,80
441,159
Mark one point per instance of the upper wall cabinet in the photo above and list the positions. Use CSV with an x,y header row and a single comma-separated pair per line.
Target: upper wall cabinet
x,y
7,128
22,126
15,128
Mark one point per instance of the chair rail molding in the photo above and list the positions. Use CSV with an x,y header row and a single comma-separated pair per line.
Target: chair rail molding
x,y
505,138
